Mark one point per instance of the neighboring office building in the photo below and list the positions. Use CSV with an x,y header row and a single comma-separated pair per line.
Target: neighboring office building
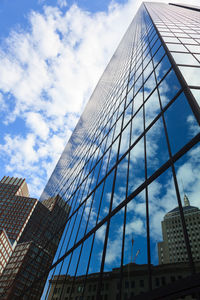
x,y
172,249
15,210
28,261
34,229
16,207
135,282
138,129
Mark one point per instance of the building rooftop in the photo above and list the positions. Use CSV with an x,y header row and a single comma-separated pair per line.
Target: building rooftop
x,y
187,208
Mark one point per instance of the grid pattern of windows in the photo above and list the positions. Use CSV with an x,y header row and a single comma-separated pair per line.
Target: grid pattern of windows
x,y
18,275
15,210
121,170
181,33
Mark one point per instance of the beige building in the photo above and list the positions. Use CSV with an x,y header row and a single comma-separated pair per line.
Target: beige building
x,y
135,282
172,249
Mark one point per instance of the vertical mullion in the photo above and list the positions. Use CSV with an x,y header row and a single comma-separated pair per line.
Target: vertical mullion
x,y
125,209
146,188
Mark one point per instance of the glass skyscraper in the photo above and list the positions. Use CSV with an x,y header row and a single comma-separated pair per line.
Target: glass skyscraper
x,y
132,157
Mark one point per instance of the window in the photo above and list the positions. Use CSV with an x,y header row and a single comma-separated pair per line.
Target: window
x,y
173,278
80,289
141,282
157,281
89,288
126,284
163,280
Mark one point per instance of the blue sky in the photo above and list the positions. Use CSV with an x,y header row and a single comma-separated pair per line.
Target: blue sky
x,y
14,13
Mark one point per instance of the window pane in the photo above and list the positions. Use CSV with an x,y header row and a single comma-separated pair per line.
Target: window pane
x,y
181,125
196,94
176,47
185,59
191,75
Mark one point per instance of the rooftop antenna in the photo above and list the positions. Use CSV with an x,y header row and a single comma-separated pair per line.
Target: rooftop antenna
x,y
136,255
185,199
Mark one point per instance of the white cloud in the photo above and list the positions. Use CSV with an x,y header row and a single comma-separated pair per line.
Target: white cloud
x,y
136,227
100,234
20,150
113,251
3,106
62,3
188,176
193,126
37,124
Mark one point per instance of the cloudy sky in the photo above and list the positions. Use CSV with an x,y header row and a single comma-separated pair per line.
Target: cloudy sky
x,y
52,53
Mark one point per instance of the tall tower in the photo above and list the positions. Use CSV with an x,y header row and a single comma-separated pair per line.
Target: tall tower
x,y
120,170
172,249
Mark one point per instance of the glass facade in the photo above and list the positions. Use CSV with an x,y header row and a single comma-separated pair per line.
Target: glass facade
x,y
132,158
